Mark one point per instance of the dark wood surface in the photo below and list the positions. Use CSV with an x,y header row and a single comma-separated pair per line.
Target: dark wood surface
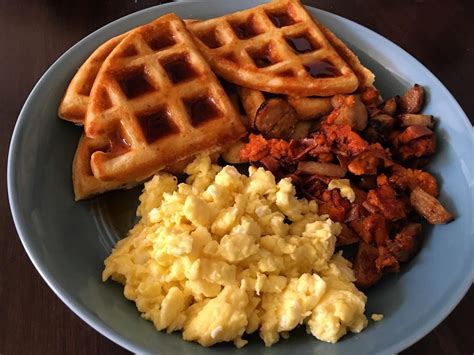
x,y
33,34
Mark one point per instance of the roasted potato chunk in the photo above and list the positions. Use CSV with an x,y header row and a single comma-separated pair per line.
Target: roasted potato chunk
x,y
429,207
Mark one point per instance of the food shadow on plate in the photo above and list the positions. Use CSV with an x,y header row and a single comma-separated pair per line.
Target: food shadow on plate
x,y
114,214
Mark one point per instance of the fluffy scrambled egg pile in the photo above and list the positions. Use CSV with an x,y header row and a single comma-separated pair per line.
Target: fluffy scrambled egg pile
x,y
225,254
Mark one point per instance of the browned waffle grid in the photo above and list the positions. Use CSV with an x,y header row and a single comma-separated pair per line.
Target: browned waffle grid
x,y
86,185
278,42
74,104
159,101
84,182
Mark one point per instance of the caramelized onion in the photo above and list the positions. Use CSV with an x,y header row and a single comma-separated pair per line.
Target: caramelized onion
x,y
325,169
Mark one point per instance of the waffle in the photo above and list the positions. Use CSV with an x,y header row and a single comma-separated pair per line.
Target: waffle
x,y
277,48
308,108
86,185
84,182
365,76
74,104
157,101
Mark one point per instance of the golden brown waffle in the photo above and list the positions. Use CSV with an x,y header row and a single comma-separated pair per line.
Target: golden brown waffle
x,y
275,47
86,185
158,102
365,76
84,182
74,104
308,108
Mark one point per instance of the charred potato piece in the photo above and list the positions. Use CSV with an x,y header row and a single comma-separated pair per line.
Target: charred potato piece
x,y
275,118
411,119
379,128
387,122
412,101
232,154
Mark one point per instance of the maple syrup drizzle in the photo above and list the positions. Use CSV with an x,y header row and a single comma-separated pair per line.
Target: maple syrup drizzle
x,y
300,44
179,70
281,19
117,143
157,125
322,69
135,84
202,109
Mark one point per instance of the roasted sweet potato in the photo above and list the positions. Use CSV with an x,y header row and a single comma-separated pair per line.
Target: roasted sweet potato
x,y
417,148
408,179
371,228
334,205
414,132
365,271
386,261
380,159
347,236
406,243
365,163
385,200
347,142
258,148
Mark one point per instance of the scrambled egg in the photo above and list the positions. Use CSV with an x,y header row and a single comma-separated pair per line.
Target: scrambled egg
x,y
344,186
376,317
225,254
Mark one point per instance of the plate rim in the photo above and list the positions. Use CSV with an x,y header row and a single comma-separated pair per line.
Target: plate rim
x,y
84,313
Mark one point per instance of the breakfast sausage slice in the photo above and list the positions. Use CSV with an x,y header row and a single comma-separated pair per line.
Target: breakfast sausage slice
x,y
412,101
275,118
390,106
349,110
